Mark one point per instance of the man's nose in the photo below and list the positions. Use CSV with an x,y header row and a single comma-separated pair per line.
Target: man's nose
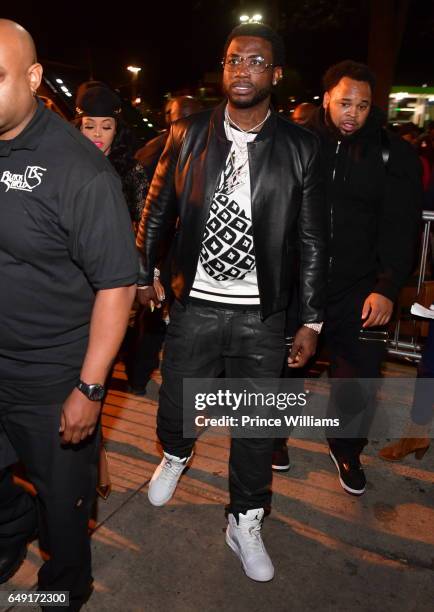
x,y
242,68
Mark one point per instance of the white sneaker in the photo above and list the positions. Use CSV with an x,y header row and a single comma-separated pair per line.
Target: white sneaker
x,y
165,478
245,540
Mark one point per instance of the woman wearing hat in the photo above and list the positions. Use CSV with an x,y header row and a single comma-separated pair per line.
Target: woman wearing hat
x,y
98,117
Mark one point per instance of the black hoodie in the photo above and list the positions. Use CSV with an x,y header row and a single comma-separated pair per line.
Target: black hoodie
x,y
375,206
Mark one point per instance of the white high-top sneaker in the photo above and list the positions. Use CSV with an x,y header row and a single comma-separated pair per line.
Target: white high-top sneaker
x,y
165,478
245,540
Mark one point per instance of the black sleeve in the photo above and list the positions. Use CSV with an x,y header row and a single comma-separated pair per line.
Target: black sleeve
x,y
400,219
160,213
135,187
312,230
100,234
150,153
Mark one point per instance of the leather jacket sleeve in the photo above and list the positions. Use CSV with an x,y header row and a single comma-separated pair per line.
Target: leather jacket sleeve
x,y
312,230
160,213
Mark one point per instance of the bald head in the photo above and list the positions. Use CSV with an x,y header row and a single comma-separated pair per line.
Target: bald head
x,y
181,107
303,112
20,77
19,41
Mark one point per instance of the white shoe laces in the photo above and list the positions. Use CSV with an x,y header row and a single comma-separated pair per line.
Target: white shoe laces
x,y
252,537
170,470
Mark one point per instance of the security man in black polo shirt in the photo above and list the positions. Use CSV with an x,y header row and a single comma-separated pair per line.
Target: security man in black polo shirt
x,y
68,269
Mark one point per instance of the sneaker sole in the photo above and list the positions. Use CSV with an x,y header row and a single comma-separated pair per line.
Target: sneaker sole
x,y
234,547
346,488
281,468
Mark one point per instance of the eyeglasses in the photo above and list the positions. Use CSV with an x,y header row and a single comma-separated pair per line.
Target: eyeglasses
x,y
255,64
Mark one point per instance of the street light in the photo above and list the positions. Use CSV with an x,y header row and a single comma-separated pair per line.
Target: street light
x,y
256,18
134,76
134,69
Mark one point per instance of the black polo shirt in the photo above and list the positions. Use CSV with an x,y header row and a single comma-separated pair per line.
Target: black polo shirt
x,y
65,233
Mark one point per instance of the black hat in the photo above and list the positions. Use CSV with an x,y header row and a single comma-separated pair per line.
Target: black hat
x,y
97,101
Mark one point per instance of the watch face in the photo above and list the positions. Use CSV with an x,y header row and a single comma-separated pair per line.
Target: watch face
x,y
96,392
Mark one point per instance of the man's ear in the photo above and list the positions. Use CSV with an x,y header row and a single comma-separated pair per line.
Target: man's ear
x,y
34,75
326,100
277,74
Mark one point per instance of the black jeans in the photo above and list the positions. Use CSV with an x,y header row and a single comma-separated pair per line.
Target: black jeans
x,y
143,347
65,479
202,342
354,353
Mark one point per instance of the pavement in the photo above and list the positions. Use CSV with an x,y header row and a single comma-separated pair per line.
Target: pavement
x,y
331,551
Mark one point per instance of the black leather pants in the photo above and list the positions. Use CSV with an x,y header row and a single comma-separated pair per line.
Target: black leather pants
x,y
203,342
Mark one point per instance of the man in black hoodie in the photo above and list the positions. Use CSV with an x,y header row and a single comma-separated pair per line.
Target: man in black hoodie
x,y
374,197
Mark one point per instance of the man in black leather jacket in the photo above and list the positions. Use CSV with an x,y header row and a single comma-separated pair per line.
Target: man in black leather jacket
x,y
374,198
175,108
243,186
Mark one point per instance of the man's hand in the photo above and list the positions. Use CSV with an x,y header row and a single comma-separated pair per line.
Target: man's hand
x,y
79,417
147,296
303,348
377,310
159,291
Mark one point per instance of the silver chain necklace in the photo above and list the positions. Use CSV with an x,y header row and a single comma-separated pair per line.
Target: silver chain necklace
x,y
240,152
253,129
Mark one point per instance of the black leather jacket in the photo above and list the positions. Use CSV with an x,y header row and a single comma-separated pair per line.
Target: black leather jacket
x,y
288,209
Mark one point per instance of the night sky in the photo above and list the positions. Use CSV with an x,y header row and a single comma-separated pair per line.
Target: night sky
x,y
176,43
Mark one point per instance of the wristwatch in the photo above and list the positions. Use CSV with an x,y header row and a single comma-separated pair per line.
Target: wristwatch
x,y
94,392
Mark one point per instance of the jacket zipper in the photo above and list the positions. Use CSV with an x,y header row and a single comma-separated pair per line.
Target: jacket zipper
x,y
331,204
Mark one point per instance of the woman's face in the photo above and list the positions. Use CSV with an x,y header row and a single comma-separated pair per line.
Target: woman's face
x,y
100,130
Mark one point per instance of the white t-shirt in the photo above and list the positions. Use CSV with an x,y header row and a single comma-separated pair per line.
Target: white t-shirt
x,y
226,270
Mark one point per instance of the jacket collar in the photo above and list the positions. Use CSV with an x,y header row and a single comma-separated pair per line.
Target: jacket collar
x,y
218,117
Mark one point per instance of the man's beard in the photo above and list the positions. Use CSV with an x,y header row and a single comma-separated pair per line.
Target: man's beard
x,y
333,128
259,96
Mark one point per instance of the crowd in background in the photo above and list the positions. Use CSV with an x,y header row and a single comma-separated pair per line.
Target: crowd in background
x,y
309,233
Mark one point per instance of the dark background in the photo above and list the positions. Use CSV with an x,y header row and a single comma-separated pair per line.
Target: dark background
x,y
176,43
